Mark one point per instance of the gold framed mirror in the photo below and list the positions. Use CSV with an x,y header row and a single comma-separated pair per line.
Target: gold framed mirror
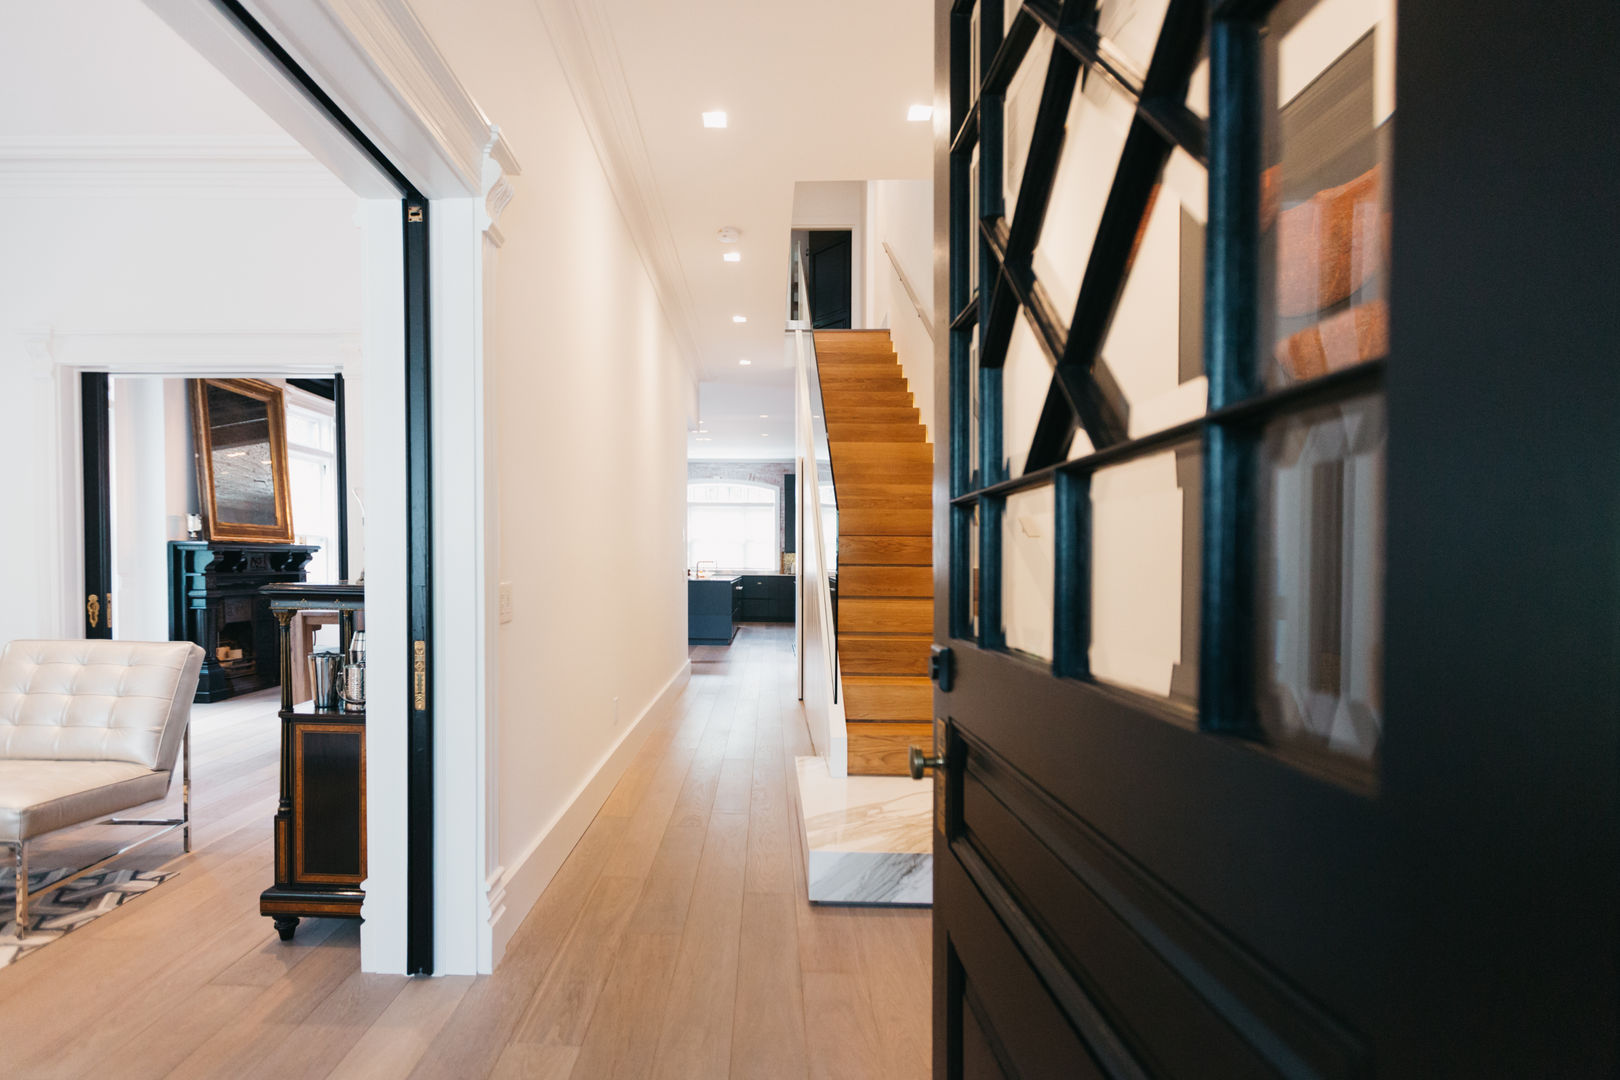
x,y
240,428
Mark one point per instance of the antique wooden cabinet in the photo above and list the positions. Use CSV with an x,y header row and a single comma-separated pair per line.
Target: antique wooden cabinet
x,y
320,835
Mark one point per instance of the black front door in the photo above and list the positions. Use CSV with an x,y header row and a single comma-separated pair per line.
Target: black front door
x,y
1278,726
828,277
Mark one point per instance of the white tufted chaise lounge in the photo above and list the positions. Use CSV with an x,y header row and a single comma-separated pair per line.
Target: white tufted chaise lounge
x,y
90,728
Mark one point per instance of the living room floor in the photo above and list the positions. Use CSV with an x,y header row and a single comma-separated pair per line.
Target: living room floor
x,y
676,940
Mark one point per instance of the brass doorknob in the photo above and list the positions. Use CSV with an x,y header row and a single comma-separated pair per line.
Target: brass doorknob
x,y
920,761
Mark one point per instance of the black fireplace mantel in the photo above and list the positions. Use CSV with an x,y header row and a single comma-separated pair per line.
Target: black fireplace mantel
x,y
214,601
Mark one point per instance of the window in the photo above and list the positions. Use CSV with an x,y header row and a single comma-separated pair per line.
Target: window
x,y
732,525
312,470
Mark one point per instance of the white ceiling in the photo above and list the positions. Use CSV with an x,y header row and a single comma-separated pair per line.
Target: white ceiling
x,y
812,91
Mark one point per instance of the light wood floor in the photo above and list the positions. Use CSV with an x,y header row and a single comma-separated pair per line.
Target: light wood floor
x,y
675,942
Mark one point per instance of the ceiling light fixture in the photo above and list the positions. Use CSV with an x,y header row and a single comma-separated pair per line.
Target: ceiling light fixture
x,y
915,113
739,318
764,416
732,256
745,363
715,119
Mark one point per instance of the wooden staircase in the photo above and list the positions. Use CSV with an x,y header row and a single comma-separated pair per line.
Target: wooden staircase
x,y
883,465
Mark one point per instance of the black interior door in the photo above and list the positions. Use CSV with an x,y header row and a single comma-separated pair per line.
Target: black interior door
x,y
95,416
829,278
1278,725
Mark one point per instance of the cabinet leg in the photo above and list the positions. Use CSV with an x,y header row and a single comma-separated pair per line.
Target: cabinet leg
x,y
285,925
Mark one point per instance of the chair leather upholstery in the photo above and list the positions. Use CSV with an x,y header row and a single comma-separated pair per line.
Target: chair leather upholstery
x,y
96,700
37,797
88,728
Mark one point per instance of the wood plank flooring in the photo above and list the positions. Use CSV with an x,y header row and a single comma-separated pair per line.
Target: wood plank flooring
x,y
674,942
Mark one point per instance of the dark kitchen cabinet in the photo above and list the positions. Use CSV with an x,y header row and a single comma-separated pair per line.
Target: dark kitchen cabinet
x,y
767,598
713,608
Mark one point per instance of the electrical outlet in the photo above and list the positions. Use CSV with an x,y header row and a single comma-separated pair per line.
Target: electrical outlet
x,y
506,601
615,712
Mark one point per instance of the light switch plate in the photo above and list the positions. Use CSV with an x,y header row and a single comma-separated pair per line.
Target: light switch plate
x,y
506,601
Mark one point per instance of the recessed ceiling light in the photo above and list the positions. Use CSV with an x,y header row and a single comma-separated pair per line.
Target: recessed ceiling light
x,y
916,112
739,318
732,256
745,363
763,435
764,416
716,119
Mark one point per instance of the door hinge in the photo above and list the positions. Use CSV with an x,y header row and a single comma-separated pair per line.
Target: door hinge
x,y
942,667
413,214
419,674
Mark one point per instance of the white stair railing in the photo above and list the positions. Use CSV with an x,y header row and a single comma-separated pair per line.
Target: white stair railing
x,y
820,684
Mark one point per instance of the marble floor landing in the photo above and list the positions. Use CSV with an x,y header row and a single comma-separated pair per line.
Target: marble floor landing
x,y
868,839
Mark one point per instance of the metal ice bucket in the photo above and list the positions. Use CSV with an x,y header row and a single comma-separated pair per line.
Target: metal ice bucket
x,y
325,679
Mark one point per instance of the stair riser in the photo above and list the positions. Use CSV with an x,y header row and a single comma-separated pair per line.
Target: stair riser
x,y
877,581
885,522
885,551
877,749
886,616
918,498
846,432
876,415
836,400
883,655
903,701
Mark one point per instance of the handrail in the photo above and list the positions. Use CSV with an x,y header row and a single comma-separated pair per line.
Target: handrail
x,y
814,449
905,283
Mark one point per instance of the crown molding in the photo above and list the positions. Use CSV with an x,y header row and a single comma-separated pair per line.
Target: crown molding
x,y
377,61
156,166
590,61
196,352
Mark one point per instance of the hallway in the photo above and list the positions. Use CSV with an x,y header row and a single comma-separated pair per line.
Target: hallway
x,y
676,941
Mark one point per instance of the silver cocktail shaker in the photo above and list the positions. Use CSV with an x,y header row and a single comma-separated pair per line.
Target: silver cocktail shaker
x,y
354,674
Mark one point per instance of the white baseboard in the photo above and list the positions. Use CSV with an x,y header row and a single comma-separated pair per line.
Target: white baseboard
x,y
518,887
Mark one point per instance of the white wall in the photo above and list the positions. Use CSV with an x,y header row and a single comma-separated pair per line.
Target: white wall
x,y
101,272
154,487
901,214
588,397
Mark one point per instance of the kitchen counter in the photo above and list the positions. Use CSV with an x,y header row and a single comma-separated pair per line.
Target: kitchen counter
x,y
713,607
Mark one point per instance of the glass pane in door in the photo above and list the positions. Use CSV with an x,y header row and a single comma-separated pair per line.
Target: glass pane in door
x,y
1154,350
1329,86
1321,578
1028,531
1146,521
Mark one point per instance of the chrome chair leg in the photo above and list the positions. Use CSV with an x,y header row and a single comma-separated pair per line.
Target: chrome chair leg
x,y
22,888
185,789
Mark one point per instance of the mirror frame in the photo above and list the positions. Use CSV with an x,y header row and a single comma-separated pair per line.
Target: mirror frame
x,y
213,528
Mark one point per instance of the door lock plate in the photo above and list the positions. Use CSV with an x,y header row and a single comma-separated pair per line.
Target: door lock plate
x,y
942,667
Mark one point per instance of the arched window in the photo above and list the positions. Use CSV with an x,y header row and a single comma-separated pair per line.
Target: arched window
x,y
732,524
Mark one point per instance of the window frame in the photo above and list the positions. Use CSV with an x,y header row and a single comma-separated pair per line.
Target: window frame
x,y
774,503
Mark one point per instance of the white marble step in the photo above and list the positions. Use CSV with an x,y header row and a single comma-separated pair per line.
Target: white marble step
x,y
867,839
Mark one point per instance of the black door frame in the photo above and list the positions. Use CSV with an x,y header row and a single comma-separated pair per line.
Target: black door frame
x,y
414,215
95,430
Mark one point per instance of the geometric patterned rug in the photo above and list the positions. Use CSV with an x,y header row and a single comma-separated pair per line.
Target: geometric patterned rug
x,y
66,909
